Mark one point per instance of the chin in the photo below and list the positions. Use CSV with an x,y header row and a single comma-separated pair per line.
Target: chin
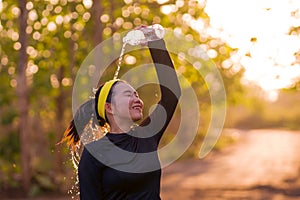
x,y
137,118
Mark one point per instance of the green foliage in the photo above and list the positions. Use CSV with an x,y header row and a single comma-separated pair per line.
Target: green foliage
x,y
258,112
10,160
10,148
60,36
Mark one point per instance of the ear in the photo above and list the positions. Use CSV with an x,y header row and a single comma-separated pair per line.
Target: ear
x,y
108,108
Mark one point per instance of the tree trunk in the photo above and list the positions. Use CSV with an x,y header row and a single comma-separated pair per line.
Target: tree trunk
x,y
97,10
60,102
23,99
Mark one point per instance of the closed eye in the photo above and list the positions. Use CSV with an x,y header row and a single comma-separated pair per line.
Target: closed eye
x,y
130,93
136,94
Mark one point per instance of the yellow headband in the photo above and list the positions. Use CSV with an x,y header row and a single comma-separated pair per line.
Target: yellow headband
x,y
103,96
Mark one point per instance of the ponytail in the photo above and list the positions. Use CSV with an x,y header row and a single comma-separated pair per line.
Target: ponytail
x,y
83,116
87,114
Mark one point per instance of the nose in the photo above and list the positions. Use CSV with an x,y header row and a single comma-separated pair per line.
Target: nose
x,y
137,100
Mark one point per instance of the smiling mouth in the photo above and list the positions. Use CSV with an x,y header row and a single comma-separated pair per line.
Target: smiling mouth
x,y
137,107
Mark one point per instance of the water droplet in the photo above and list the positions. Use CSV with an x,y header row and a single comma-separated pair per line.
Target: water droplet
x,y
137,37
120,61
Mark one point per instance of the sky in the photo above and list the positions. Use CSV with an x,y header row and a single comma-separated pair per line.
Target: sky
x,y
272,62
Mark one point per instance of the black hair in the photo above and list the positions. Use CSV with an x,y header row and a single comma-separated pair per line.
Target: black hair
x,y
86,113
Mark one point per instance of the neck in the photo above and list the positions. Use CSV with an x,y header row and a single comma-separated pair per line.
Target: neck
x,y
120,127
118,130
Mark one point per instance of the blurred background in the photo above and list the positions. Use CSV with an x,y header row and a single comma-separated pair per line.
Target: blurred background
x,y
254,44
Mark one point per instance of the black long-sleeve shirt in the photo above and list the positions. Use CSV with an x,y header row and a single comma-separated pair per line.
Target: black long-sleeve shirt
x,y
126,165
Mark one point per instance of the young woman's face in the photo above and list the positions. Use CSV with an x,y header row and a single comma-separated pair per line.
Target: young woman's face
x,y
126,103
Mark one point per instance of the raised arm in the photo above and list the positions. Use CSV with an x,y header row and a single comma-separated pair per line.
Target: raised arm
x,y
165,69
170,90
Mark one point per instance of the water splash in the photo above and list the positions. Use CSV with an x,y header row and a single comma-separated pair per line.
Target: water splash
x,y
90,133
75,157
139,37
120,61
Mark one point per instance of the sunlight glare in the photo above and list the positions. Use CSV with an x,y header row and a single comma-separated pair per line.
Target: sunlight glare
x,y
167,9
162,1
259,29
51,26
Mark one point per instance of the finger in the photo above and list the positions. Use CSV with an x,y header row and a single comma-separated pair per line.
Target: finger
x,y
140,27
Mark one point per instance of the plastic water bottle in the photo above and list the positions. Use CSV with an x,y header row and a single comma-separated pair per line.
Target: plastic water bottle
x,y
140,36
144,35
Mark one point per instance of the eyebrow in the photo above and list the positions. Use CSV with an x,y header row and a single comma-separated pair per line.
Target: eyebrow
x,y
129,91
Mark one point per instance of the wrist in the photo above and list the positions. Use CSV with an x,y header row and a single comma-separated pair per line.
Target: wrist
x,y
157,44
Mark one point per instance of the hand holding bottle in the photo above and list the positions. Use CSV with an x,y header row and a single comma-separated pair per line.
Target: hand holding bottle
x,y
144,34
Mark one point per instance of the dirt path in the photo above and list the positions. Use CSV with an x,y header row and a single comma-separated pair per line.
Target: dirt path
x,y
262,165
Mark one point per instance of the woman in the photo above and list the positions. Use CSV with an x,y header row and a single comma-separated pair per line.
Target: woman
x,y
124,163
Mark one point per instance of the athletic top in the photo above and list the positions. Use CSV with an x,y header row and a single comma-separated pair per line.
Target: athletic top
x,y
126,165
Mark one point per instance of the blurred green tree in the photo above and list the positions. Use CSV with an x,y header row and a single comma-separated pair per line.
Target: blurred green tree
x,y
53,39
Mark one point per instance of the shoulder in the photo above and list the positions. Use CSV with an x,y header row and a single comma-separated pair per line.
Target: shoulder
x,y
91,156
